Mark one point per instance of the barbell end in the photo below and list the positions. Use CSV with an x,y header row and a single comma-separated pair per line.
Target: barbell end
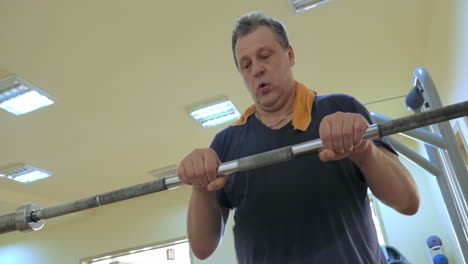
x,y
23,220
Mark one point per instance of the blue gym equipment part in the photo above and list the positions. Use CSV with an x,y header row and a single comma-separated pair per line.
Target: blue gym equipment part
x,y
433,241
440,259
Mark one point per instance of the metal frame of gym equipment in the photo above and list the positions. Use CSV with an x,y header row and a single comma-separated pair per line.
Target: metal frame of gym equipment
x,y
31,217
446,161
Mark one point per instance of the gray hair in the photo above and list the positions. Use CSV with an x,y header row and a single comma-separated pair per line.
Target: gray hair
x,y
249,22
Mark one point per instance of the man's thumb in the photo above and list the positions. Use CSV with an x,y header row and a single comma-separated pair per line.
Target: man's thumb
x,y
218,183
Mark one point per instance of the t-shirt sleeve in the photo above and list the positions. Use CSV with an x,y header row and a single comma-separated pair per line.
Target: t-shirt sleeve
x,y
382,141
217,146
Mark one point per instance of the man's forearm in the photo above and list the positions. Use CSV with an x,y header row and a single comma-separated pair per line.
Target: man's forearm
x,y
205,222
389,180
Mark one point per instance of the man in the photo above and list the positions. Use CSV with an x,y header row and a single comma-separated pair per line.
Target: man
x,y
313,209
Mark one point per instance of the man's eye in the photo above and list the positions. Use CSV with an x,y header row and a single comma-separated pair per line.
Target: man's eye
x,y
264,56
246,66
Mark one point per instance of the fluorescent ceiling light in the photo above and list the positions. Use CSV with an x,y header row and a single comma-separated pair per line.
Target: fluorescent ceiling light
x,y
25,173
19,97
215,113
303,5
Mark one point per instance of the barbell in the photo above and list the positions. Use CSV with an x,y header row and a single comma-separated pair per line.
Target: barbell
x,y
31,217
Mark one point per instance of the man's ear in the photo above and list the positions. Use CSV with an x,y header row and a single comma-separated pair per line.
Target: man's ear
x,y
292,59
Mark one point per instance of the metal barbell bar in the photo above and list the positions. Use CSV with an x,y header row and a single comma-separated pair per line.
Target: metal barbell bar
x,y
31,217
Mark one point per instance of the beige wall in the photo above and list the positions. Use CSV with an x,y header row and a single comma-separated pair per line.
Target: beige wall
x,y
446,56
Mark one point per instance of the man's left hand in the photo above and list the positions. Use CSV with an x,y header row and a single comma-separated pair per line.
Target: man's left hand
x,y
341,135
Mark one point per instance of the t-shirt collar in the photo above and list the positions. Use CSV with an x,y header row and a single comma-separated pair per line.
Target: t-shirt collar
x,y
302,108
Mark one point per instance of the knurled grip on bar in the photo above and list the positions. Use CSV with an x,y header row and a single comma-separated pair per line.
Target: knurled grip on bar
x,y
99,200
423,119
7,223
265,159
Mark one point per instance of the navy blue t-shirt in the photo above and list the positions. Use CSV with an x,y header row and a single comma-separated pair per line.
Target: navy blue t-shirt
x,y
300,211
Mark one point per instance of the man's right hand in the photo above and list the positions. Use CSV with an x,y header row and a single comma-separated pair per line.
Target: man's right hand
x,y
200,169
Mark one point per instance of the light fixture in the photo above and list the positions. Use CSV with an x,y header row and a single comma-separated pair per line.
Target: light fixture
x,y
215,113
25,173
303,5
18,97
170,254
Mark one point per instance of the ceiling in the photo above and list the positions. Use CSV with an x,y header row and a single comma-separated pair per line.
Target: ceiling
x,y
124,74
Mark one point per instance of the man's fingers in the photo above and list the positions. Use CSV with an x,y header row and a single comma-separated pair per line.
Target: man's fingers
x,y
218,183
325,134
360,127
348,134
211,167
199,168
341,135
198,177
327,155
182,174
188,168
337,136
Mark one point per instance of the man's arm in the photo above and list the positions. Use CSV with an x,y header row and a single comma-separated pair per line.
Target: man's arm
x,y
206,218
206,222
389,180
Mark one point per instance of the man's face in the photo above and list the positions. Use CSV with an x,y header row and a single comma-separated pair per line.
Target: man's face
x,y
265,66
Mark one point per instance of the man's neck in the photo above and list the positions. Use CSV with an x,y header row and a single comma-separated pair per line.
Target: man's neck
x,y
280,115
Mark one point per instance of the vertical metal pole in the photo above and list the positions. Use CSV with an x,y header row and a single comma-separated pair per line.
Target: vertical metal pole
x,y
453,182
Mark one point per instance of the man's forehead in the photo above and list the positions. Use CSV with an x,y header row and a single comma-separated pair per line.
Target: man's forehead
x,y
256,41
262,34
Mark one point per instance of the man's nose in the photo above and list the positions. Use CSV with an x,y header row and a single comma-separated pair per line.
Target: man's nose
x,y
258,69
